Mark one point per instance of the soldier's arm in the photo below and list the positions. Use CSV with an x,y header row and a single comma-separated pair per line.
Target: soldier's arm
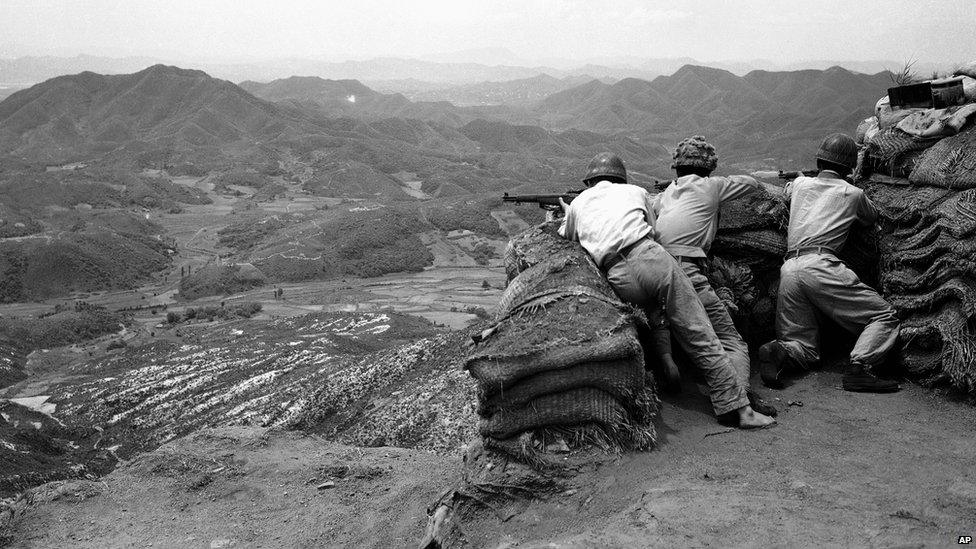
x,y
738,185
788,191
867,213
652,205
567,229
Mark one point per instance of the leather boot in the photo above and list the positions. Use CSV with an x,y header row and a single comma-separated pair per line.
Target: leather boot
x,y
859,379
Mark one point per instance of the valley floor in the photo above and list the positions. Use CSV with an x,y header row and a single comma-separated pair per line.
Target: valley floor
x,y
840,469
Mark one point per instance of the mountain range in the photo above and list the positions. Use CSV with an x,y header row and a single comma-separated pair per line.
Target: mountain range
x,y
775,115
403,74
168,114
763,115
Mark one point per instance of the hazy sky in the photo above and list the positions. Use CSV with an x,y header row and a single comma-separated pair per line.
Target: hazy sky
x,y
708,30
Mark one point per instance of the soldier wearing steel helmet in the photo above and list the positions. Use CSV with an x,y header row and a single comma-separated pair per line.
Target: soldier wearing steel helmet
x,y
614,222
687,221
813,281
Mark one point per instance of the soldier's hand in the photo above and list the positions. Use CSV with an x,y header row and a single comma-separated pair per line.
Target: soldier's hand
x,y
563,204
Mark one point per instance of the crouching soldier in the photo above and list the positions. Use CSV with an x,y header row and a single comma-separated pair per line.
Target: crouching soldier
x,y
813,280
614,222
687,220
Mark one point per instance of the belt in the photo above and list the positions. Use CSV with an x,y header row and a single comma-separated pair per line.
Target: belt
x,y
806,250
622,254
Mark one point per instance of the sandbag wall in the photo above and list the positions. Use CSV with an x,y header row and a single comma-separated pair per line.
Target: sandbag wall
x,y
563,356
928,273
747,253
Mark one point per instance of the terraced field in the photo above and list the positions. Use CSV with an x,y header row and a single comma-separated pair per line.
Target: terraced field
x,y
311,370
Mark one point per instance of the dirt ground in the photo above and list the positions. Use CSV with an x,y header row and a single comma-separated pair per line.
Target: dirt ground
x,y
840,469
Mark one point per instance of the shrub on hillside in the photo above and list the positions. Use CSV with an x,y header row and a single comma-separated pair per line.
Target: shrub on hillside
x,y
61,328
159,192
402,255
483,253
210,313
187,169
381,241
220,280
249,232
19,227
94,258
241,178
116,344
471,215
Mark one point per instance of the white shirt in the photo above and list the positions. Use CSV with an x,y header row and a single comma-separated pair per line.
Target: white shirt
x,y
687,211
822,210
608,217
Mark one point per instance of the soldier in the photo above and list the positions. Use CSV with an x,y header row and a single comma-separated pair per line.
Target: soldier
x,y
813,280
614,222
687,220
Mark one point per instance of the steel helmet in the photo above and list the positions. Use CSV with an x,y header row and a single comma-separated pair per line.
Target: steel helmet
x,y
606,164
694,152
840,149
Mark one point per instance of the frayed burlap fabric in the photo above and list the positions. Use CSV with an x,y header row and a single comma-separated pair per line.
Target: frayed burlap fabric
x,y
928,273
563,353
950,163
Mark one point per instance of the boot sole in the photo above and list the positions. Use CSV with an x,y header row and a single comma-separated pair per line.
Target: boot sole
x,y
857,386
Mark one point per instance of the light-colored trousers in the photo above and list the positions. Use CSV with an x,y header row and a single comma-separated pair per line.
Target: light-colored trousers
x,y
821,282
718,314
650,277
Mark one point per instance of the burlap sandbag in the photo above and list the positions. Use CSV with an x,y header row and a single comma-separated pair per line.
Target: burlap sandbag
x,y
568,408
536,245
621,379
755,211
566,272
497,370
751,247
950,163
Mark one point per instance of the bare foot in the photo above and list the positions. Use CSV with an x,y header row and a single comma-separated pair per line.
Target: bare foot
x,y
751,419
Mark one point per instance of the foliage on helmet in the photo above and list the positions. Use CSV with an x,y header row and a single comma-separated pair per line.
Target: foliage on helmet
x,y
694,152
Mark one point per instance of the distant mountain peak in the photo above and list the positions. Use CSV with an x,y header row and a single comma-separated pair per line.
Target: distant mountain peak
x,y
160,69
703,71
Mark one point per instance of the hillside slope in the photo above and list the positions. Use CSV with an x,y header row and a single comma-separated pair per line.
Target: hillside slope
x,y
162,107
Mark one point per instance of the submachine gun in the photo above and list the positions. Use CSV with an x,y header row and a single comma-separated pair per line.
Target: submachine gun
x,y
545,201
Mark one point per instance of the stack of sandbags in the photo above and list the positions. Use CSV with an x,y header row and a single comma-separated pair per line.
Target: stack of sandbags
x,y
892,151
928,273
950,163
751,228
563,359
747,252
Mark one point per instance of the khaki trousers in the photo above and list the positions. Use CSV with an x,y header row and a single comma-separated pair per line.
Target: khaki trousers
x,y
718,314
649,276
821,282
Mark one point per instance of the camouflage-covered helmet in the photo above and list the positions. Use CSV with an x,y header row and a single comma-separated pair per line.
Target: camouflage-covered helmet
x,y
694,152
606,164
840,149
